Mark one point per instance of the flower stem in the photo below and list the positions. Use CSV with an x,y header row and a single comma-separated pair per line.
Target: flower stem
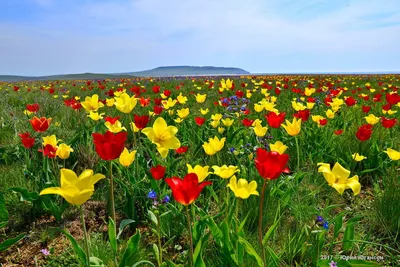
x,y
298,153
260,238
112,198
85,236
159,229
190,236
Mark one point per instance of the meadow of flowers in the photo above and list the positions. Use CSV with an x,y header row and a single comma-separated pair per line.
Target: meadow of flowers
x,y
206,171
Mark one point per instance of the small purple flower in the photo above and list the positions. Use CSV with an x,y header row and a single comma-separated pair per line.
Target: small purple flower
x,y
45,252
320,219
166,200
152,194
332,264
326,225
232,149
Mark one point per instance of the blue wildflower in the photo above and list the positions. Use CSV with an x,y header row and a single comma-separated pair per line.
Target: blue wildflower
x,y
320,219
152,194
326,225
166,199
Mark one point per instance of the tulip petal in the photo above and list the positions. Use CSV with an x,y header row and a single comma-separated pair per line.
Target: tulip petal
x,y
354,184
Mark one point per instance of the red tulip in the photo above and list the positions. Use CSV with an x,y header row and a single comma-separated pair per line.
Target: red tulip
x,y
144,101
157,101
364,132
157,172
350,101
199,120
338,132
27,140
366,109
239,93
388,123
302,114
181,150
156,89
270,165
141,121
187,190
40,125
49,151
167,93
157,110
387,106
109,146
275,120
247,122
33,107
111,119
392,99
323,122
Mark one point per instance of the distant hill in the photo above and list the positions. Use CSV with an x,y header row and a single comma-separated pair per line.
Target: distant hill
x,y
157,72
187,70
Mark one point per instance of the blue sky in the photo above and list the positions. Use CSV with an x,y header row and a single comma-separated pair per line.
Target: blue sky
x,y
44,37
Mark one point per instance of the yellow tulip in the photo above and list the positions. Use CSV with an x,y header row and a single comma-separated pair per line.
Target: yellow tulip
x,y
214,124
110,102
168,103
50,140
163,136
330,114
95,116
393,154
75,190
178,120
204,111
202,172
92,103
227,122
293,128
278,147
28,113
116,127
242,188
201,98
259,130
338,178
183,113
310,105
358,157
258,108
372,119
298,106
125,103
221,130
214,145
225,171
182,99
63,151
216,117
126,158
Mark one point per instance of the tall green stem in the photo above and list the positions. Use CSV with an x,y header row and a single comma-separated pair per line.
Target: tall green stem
x,y
85,236
112,198
159,229
190,235
260,238
298,153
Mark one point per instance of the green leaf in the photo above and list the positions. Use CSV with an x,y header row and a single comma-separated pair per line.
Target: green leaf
x,y
25,194
131,248
111,235
338,226
3,212
77,248
122,226
152,217
270,231
9,242
348,236
250,250
197,254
